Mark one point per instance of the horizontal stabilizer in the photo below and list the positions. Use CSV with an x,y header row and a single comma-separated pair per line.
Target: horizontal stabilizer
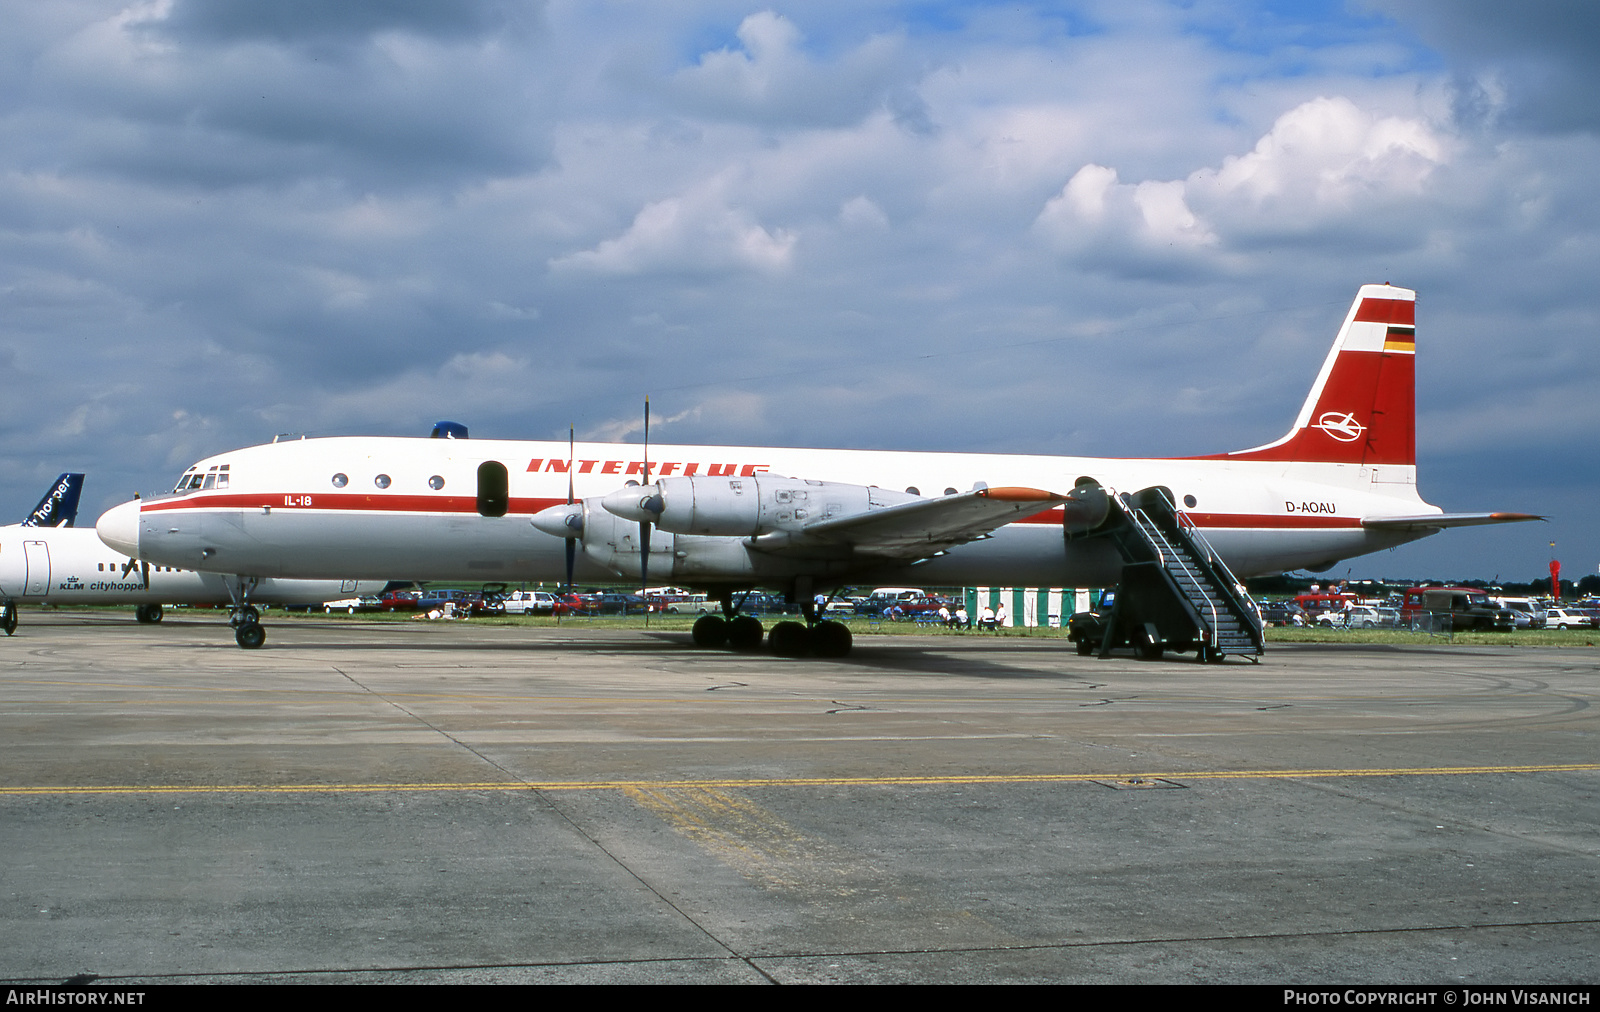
x,y
1439,521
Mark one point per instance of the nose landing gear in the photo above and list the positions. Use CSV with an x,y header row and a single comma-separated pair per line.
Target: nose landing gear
x,y
246,620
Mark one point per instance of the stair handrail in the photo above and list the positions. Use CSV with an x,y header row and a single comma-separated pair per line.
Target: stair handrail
x,y
1213,557
1152,527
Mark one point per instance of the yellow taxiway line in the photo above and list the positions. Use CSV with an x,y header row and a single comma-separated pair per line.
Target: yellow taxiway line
x,y
744,783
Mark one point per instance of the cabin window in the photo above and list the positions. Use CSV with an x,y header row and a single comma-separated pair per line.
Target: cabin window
x,y
494,489
382,481
436,482
1190,501
341,480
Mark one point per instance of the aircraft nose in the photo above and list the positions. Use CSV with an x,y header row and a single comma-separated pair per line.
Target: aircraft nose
x,y
118,527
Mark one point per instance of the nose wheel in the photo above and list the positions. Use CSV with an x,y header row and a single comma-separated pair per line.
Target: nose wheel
x,y
250,635
246,622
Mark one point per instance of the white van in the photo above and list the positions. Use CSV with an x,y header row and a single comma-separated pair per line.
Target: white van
x,y
530,602
1528,613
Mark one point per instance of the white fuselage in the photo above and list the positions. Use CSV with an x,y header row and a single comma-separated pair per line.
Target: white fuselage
x,y
404,508
71,565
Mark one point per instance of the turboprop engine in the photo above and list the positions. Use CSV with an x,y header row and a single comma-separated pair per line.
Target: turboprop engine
x,y
1087,509
612,538
771,530
745,507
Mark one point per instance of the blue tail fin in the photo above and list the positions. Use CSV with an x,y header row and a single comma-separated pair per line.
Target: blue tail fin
x,y
59,507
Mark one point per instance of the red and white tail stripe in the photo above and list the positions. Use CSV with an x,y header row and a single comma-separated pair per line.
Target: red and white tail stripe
x,y
1362,408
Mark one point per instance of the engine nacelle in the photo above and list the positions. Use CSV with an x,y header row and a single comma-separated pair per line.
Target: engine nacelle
x,y
1087,509
613,542
745,507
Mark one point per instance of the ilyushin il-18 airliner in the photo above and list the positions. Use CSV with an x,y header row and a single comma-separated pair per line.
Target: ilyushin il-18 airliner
x,y
1341,482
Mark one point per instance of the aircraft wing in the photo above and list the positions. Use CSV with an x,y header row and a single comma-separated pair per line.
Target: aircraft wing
x,y
916,529
1439,521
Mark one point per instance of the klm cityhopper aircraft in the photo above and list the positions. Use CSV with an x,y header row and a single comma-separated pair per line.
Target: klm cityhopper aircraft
x,y
46,560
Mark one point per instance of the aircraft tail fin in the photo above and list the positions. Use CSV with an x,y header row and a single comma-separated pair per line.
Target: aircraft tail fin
x,y
1362,408
59,507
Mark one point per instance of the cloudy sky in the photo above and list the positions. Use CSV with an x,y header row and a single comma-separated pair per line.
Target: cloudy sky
x,y
1107,228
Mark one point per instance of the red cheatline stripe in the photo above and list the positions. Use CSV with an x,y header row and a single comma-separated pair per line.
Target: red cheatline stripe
x,y
447,505
360,502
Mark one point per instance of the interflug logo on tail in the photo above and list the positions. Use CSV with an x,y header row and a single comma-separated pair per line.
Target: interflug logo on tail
x,y
1341,425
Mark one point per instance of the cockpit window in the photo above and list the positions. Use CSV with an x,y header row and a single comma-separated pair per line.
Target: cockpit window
x,y
216,476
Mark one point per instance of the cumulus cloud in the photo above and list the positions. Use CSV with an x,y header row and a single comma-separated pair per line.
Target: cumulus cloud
x,y
771,79
693,233
1325,167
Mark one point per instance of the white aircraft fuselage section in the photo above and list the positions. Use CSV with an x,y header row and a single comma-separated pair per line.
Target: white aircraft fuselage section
x,y
315,508
71,565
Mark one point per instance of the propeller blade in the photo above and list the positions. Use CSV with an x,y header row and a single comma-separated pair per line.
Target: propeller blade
x,y
572,543
644,525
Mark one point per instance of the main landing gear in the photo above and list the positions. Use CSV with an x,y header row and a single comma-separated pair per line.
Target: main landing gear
x,y
148,614
8,617
789,638
741,632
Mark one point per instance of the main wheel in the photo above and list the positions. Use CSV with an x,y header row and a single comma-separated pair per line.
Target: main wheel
x,y
831,639
8,618
710,631
744,632
250,635
789,639
149,614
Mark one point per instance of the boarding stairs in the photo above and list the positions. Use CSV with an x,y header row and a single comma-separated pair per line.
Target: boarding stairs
x,y
1175,585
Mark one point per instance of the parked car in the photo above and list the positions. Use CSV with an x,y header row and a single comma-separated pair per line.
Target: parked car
x,y
531,602
1364,616
399,600
1568,618
617,604
691,604
1282,613
480,603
